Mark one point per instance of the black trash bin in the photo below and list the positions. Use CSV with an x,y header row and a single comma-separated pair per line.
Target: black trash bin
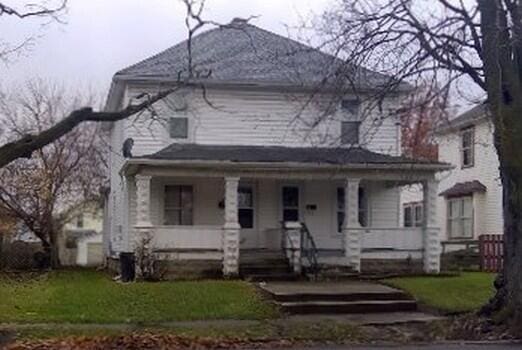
x,y
128,267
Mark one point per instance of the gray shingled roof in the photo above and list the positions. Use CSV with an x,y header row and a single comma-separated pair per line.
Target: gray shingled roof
x,y
243,53
467,118
274,154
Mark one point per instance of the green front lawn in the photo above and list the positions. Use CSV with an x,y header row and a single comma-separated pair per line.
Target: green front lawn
x,y
85,296
466,292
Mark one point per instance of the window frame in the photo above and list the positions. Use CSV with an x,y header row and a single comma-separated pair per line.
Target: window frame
x,y
460,218
414,208
469,148
180,207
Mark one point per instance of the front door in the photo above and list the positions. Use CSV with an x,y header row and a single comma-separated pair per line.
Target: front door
x,y
246,216
290,203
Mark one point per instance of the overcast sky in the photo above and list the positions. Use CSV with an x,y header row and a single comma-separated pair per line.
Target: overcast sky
x,y
101,37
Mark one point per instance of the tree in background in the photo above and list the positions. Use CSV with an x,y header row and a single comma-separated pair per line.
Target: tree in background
x,y
422,113
60,179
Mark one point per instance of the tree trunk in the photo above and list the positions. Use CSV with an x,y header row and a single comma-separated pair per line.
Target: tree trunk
x,y
54,249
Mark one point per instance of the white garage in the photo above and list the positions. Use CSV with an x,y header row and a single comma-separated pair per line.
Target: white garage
x,y
90,250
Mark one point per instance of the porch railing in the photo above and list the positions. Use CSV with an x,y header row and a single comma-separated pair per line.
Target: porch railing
x,y
309,249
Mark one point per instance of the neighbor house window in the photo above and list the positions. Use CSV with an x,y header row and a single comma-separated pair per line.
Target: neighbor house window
x,y
178,127
460,217
363,208
467,149
179,205
245,205
413,214
350,133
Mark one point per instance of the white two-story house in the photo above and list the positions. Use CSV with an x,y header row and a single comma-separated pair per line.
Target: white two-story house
x,y
262,155
470,194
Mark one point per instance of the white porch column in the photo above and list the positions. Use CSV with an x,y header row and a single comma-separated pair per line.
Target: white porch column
x,y
231,228
141,240
351,226
432,248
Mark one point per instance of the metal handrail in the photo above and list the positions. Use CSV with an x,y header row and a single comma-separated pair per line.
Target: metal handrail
x,y
309,249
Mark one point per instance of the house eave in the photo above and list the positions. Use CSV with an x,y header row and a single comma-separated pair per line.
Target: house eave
x,y
250,85
131,166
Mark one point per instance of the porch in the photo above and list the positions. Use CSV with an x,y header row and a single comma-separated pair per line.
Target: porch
x,y
193,214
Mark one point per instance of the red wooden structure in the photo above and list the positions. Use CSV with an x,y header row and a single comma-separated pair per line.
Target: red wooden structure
x,y
491,248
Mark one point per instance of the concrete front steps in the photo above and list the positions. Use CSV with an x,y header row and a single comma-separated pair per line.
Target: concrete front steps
x,y
265,265
337,297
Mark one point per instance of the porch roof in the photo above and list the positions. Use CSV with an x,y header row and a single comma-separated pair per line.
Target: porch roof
x,y
265,155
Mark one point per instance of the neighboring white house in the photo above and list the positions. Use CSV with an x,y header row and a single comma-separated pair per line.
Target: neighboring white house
x,y
470,195
222,164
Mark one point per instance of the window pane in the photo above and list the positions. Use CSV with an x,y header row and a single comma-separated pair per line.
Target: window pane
x,y
363,207
172,217
290,215
172,196
186,197
408,217
178,128
350,133
340,198
467,207
246,218
418,215
245,197
186,217
340,221
455,209
455,228
467,228
290,197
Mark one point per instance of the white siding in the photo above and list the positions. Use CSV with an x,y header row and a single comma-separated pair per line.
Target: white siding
x,y
258,118
487,206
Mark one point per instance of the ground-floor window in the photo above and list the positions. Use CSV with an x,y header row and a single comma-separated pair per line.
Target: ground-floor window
x,y
460,217
245,207
363,208
179,205
413,214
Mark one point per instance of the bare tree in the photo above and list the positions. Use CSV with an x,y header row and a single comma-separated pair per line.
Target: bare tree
x,y
62,178
479,41
44,11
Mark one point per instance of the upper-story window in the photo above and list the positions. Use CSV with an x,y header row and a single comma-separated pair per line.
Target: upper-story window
x,y
178,128
350,133
467,147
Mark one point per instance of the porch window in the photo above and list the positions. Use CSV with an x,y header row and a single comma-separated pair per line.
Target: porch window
x,y
363,208
245,205
413,214
179,205
290,203
467,156
460,217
